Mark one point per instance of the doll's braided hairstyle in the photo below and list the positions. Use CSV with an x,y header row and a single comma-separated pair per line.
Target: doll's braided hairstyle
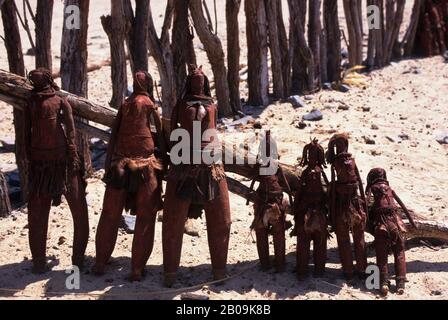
x,y
147,87
335,139
376,175
194,71
313,146
47,80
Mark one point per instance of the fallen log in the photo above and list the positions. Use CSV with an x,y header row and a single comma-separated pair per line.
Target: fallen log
x,y
14,90
428,229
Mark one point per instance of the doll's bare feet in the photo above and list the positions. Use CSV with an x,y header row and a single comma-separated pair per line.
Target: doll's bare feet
x,y
40,266
400,286
98,269
385,287
169,279
78,261
136,276
384,290
220,275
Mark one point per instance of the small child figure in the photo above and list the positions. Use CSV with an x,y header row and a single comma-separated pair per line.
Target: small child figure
x,y
269,209
388,228
310,211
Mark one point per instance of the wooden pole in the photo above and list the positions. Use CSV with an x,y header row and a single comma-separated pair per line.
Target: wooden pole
x,y
333,37
256,32
5,204
233,52
115,27
13,45
272,13
74,67
215,53
44,16
182,44
160,50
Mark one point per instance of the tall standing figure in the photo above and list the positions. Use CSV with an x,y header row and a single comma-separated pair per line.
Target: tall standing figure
x,y
198,182
348,208
132,177
310,211
388,228
55,168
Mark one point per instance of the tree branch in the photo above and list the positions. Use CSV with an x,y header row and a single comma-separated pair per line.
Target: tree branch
x,y
25,26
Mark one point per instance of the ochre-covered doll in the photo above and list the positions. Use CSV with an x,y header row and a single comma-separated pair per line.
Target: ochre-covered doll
x,y
387,227
310,210
270,212
196,185
347,206
55,168
132,177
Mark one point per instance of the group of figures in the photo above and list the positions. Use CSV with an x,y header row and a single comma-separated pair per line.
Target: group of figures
x,y
135,164
340,205
137,160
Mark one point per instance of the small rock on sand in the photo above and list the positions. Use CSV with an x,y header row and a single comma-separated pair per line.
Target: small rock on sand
x,y
442,139
344,107
296,101
366,109
314,115
344,88
301,125
368,140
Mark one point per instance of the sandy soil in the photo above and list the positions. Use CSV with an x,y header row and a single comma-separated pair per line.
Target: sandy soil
x,y
408,98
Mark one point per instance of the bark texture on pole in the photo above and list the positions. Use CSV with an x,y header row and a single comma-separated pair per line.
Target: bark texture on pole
x,y
371,40
394,18
5,204
233,52
353,20
182,43
137,32
13,45
44,16
314,37
74,67
215,53
115,27
333,39
272,12
257,53
302,79
284,48
160,50
411,32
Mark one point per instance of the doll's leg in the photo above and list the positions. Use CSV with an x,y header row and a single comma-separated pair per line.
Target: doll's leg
x,y
107,230
76,199
148,201
217,214
38,212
